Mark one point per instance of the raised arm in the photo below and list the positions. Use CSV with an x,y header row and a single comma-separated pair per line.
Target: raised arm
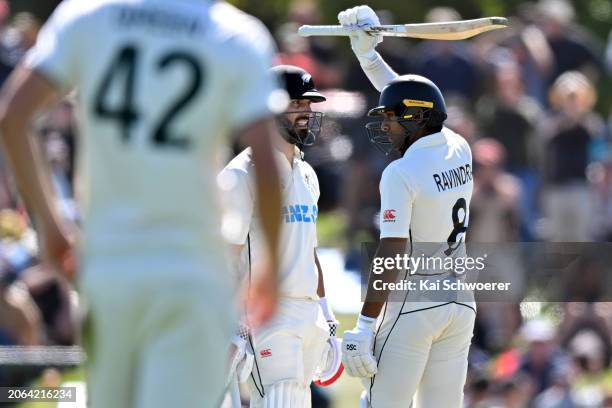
x,y
363,44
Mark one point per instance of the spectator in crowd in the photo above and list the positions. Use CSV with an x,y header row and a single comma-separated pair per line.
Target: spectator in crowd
x,y
586,336
298,51
16,40
56,302
572,46
543,358
495,206
57,152
435,59
568,134
20,320
559,394
509,116
601,176
514,392
532,51
478,388
461,120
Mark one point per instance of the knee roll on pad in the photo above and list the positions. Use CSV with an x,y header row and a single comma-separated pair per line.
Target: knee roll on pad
x,y
286,394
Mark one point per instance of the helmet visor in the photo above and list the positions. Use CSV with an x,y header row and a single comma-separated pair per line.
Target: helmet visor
x,y
304,129
379,137
377,111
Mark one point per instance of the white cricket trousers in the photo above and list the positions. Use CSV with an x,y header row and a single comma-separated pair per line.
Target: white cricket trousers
x,y
156,340
422,356
288,348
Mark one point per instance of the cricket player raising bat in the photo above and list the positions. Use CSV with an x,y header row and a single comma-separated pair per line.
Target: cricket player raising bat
x,y
299,344
411,351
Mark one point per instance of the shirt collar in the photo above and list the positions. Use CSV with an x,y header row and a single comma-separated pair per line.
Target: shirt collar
x,y
282,159
426,141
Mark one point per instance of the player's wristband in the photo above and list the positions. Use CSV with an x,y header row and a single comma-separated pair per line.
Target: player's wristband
x,y
327,311
366,323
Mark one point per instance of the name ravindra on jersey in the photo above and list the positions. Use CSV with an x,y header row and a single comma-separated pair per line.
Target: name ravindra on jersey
x,y
453,178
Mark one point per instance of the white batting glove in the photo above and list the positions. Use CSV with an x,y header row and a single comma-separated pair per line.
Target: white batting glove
x,y
241,357
358,349
362,17
330,368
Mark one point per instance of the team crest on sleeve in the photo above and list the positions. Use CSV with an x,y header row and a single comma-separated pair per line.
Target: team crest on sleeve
x,y
389,216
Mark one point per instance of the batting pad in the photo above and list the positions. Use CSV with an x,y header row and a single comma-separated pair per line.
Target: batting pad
x,y
287,394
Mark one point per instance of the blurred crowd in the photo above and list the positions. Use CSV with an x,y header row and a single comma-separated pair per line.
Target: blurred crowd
x,y
37,308
530,100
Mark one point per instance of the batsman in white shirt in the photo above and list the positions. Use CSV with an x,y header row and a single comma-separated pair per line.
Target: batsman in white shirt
x,y
412,352
299,344
157,84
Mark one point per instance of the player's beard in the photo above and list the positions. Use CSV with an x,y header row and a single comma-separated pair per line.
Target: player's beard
x,y
304,130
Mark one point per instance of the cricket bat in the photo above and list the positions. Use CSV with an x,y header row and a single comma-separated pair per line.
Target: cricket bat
x,y
452,30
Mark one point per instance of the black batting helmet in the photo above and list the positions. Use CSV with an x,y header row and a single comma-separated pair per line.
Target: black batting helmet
x,y
299,85
416,103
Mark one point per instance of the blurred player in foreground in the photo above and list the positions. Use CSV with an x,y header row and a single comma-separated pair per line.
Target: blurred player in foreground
x,y
414,346
155,83
291,349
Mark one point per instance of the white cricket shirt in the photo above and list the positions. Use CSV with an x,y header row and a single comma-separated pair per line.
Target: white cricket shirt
x,y
298,239
425,195
160,86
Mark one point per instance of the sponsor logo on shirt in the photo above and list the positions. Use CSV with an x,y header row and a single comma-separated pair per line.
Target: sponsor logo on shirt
x,y
299,213
389,216
265,353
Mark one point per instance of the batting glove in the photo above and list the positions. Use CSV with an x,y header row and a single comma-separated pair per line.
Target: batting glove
x,y
330,368
357,349
242,359
361,17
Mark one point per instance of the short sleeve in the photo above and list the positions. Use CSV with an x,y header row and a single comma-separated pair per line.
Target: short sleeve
x,y
53,54
396,200
238,202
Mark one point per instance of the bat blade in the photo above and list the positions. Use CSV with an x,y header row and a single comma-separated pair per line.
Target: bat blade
x,y
452,30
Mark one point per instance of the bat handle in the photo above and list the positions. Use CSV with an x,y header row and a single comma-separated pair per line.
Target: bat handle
x,y
336,30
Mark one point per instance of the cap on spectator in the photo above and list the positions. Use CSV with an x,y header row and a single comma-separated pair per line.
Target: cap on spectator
x,y
573,87
538,330
560,10
441,14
